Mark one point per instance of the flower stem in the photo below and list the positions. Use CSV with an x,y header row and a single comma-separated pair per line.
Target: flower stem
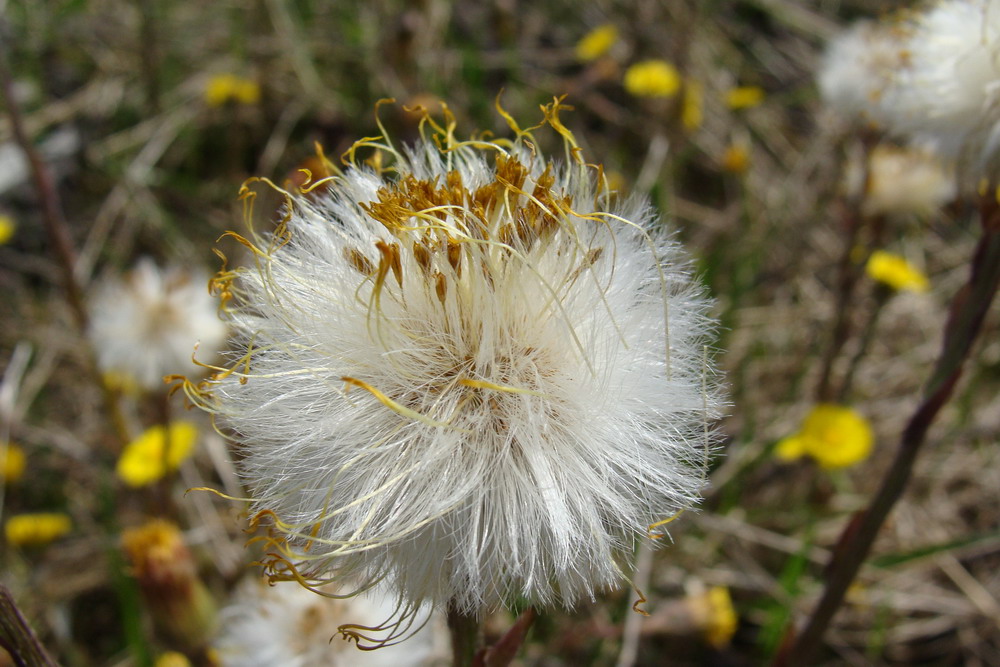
x,y
502,653
882,294
52,216
965,320
847,279
17,637
465,636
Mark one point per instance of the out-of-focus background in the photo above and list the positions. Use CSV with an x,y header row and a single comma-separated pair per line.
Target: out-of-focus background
x,y
151,114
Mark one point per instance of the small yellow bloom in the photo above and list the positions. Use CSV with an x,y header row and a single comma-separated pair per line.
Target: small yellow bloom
x,y
144,460
122,382
713,614
652,78
596,43
722,619
224,88
36,529
736,159
692,112
744,97
7,228
790,448
616,181
13,460
834,435
172,659
896,272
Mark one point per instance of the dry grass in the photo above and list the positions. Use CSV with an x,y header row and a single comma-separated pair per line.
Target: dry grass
x,y
155,172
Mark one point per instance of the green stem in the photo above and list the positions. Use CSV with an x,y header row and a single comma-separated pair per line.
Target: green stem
x,y
465,636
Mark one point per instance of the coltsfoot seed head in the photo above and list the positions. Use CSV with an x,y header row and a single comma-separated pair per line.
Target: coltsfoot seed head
x,y
473,375
930,76
146,324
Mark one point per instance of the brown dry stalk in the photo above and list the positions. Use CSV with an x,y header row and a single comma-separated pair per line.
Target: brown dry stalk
x,y
17,636
48,197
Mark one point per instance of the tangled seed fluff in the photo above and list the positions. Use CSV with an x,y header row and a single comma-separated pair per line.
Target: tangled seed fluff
x,y
474,375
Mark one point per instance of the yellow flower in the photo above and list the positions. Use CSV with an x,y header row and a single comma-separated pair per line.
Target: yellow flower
x,y
722,620
713,614
172,659
652,78
616,181
736,159
834,435
790,448
596,43
744,97
691,111
13,460
223,88
36,529
896,272
7,228
144,461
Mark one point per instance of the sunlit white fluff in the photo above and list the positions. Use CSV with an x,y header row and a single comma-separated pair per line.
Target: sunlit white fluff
x,y
858,65
499,407
947,95
290,626
900,181
146,324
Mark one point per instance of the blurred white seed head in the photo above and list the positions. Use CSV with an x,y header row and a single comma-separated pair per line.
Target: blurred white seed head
x,y
947,95
146,324
857,66
931,77
472,376
900,181
288,625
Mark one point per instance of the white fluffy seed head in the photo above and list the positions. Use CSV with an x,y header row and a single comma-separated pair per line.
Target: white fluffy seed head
x,y
948,93
145,325
931,77
857,67
476,378
291,626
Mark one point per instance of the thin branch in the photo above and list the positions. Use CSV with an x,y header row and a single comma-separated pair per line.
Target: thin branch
x,y
52,216
17,636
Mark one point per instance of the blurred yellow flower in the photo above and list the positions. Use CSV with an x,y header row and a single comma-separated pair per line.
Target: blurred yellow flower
x,y
736,159
616,181
144,460
7,228
896,272
36,529
172,659
596,43
744,97
122,382
722,619
13,460
652,78
224,88
167,574
692,110
713,614
834,435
